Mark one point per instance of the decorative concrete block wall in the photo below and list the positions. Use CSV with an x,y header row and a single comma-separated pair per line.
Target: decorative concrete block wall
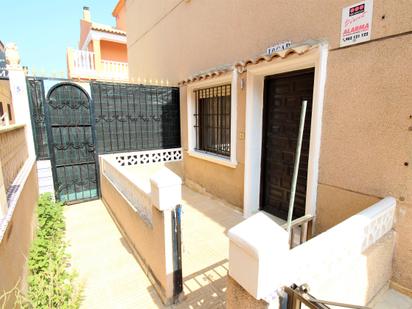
x,y
141,204
349,263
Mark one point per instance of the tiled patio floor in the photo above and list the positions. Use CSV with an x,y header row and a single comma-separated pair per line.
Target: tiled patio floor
x,y
112,277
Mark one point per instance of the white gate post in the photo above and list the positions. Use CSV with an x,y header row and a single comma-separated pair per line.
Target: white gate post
x,y
20,99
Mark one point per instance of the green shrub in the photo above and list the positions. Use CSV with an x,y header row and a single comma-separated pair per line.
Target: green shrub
x,y
51,283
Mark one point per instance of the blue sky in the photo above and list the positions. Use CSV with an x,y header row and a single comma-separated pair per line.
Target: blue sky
x,y
44,29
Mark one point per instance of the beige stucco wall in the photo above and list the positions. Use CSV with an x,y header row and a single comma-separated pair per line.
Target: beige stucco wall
x,y
198,35
238,297
365,138
402,266
222,181
148,243
365,146
14,248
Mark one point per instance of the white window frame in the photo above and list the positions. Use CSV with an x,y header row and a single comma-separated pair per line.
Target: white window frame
x,y
229,78
315,58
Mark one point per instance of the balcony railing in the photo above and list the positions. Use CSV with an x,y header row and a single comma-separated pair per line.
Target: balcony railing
x,y
13,152
85,65
115,70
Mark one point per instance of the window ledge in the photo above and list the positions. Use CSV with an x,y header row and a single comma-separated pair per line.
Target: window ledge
x,y
212,158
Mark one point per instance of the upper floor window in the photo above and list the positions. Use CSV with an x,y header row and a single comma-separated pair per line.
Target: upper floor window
x,y
213,120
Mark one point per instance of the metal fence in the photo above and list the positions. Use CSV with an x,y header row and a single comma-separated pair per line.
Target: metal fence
x,y
37,98
128,117
135,117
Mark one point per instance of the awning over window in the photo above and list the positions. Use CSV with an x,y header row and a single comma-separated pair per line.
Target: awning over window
x,y
241,66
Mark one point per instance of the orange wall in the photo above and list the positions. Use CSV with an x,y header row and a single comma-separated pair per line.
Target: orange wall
x,y
119,13
113,51
121,19
84,31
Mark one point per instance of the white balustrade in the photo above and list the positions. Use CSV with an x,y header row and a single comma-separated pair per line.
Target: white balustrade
x,y
83,62
141,193
135,192
115,70
84,66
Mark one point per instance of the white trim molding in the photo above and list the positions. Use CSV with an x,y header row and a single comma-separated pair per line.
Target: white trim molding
x,y
99,36
315,58
229,78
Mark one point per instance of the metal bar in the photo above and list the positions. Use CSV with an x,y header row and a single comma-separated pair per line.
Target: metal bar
x,y
108,115
295,300
302,233
92,119
333,303
115,117
101,117
69,125
296,168
121,115
128,118
309,233
298,221
177,253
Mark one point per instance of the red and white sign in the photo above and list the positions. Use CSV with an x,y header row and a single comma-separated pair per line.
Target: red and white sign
x,y
356,23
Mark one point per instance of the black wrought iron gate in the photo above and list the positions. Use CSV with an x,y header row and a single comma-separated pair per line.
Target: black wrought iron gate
x,y
71,128
71,137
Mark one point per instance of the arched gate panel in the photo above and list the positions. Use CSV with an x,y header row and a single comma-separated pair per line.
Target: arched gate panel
x,y
71,138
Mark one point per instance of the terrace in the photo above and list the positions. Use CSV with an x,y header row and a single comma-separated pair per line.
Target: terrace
x,y
150,239
115,277
83,64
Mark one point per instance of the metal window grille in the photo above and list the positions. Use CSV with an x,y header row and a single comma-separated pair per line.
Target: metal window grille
x,y
212,120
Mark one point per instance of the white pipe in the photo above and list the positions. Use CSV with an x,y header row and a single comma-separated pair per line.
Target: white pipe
x,y
296,168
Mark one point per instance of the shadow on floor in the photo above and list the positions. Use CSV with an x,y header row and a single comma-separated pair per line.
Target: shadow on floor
x,y
203,289
218,211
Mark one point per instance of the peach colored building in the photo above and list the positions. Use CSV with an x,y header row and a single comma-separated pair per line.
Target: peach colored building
x,y
102,49
253,63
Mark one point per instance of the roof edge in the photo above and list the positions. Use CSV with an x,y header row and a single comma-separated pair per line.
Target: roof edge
x,y
120,4
241,66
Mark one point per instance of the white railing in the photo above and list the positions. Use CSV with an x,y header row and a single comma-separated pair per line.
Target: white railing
x,y
83,62
114,70
135,192
338,264
134,187
144,207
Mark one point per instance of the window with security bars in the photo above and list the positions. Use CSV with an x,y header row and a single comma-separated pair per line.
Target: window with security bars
x,y
212,120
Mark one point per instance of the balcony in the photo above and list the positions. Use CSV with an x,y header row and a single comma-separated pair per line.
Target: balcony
x,y
83,64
